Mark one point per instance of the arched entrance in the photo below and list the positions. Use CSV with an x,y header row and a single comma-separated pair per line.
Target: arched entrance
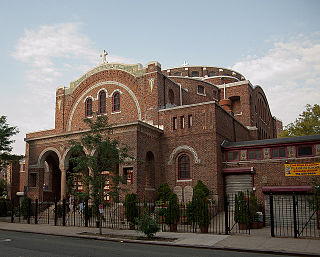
x,y
74,178
50,185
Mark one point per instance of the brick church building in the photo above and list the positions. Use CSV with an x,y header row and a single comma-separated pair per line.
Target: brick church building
x,y
181,125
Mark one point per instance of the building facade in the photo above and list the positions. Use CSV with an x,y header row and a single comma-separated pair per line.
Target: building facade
x,y
175,123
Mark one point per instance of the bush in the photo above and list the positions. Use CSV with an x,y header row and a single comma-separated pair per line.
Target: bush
x,y
131,208
198,209
253,207
201,208
241,212
3,208
201,187
172,214
59,211
164,192
24,207
148,224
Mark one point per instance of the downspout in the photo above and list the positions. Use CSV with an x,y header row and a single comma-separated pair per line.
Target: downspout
x,y
180,94
234,130
164,91
64,98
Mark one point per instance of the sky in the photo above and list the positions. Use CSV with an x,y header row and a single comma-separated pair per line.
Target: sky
x,y
47,44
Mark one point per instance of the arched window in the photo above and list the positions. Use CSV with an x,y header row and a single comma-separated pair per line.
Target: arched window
x,y
102,102
184,167
88,107
116,102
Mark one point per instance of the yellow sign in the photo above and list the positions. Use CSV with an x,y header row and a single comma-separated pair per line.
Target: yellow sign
x,y
306,169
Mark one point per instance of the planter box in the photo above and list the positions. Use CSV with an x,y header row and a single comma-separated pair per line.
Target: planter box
x,y
243,226
204,229
256,225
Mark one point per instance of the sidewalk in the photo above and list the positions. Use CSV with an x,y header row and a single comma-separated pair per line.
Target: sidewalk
x,y
258,241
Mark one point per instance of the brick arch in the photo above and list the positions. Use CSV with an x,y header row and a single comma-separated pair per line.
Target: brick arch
x,y
131,93
66,156
102,89
180,148
44,154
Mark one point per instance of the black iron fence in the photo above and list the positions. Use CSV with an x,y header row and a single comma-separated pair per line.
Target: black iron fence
x,y
293,215
286,215
219,218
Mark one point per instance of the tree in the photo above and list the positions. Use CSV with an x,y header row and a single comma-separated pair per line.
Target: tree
x,y
6,132
308,123
3,188
104,155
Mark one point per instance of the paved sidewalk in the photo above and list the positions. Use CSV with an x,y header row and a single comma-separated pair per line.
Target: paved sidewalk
x,y
258,241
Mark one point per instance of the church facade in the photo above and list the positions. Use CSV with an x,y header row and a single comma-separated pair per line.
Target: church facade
x,y
173,121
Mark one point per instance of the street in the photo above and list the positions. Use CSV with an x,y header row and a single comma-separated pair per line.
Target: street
x,y
19,244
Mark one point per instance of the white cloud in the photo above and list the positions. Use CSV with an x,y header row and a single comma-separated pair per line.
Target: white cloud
x,y
54,55
289,73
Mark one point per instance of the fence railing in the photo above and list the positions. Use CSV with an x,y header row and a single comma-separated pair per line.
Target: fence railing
x,y
293,215
286,215
221,216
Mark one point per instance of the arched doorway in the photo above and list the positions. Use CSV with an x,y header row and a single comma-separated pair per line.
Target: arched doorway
x,y
74,178
50,186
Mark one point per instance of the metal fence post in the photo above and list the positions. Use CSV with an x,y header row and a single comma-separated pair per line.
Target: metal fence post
x,y
271,215
74,212
294,216
55,211
63,212
36,212
226,218
86,212
12,210
29,210
248,211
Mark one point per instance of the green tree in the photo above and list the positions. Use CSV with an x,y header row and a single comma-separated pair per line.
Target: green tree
x,y
6,132
104,155
308,123
131,209
3,188
164,192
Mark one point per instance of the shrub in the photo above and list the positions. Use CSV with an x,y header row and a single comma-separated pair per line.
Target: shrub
x,y
59,210
172,214
148,224
131,208
3,208
253,207
201,187
241,212
201,208
198,209
24,207
164,192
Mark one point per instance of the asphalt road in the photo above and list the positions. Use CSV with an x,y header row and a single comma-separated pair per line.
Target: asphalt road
x,y
14,244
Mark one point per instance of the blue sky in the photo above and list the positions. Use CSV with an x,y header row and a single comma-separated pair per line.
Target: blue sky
x,y
47,44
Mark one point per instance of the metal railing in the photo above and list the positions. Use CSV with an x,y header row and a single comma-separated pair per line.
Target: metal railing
x,y
220,216
293,215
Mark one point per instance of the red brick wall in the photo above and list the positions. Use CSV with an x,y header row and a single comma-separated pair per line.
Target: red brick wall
x,y
271,172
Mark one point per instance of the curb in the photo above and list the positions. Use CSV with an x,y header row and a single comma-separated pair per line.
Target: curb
x,y
131,241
